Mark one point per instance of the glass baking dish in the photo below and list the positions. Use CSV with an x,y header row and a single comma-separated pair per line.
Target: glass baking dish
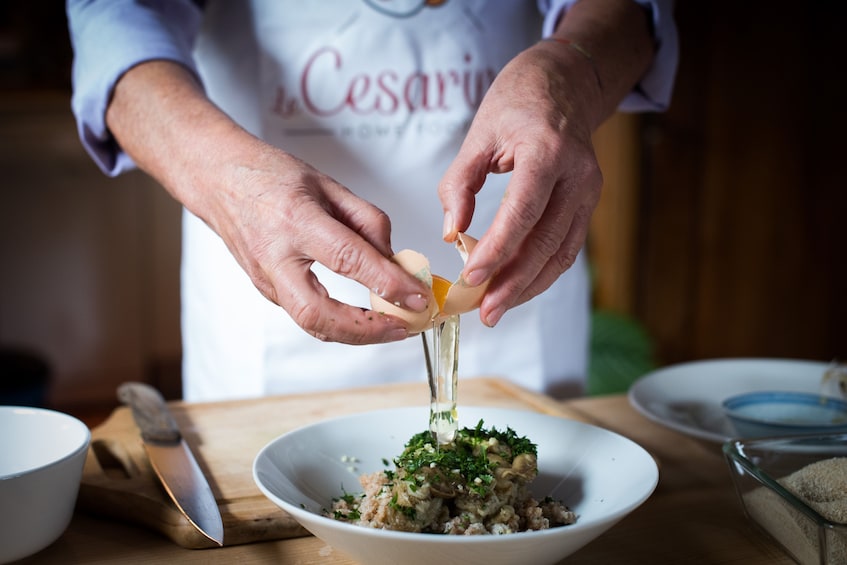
x,y
783,490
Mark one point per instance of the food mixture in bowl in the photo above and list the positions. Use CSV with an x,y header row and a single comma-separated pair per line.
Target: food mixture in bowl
x,y
477,484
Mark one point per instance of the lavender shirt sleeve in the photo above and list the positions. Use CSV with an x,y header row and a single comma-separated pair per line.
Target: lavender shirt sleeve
x,y
653,92
109,37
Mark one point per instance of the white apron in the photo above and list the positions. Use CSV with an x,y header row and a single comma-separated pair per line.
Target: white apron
x,y
378,94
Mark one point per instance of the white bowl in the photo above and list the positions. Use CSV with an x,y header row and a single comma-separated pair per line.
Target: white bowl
x,y
600,475
784,413
43,453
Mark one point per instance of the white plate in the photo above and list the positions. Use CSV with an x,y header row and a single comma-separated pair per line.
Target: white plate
x,y
688,397
600,475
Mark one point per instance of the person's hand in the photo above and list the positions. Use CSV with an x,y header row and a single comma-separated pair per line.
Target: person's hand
x,y
276,214
536,120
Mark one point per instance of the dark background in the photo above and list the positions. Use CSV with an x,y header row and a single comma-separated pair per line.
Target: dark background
x,y
738,222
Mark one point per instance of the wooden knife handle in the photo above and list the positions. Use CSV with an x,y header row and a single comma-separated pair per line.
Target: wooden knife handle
x,y
150,412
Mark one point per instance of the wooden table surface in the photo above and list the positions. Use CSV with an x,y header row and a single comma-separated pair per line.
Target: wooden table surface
x,y
692,517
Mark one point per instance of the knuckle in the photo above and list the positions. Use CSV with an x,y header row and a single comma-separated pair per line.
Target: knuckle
x,y
590,180
381,221
308,316
260,280
451,189
372,217
565,258
567,255
320,336
268,291
345,259
547,241
379,227
523,215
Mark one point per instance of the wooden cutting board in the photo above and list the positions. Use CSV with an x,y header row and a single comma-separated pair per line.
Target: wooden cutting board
x,y
225,437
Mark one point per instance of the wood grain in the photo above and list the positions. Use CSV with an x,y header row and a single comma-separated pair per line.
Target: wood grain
x,y
692,517
612,241
225,437
741,245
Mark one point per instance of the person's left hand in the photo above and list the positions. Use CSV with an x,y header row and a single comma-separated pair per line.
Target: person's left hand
x,y
536,121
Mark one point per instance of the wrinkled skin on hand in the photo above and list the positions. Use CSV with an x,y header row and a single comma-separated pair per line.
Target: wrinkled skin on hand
x,y
535,121
281,215
276,214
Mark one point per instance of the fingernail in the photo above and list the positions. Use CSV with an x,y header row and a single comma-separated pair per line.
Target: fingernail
x,y
476,277
416,302
398,334
495,316
448,225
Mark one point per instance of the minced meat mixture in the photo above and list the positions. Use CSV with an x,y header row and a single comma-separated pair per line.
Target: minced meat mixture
x,y
478,484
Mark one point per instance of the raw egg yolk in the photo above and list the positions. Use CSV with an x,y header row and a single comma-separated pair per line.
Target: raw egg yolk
x,y
440,286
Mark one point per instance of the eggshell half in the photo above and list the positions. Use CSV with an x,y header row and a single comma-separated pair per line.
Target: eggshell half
x,y
460,298
417,265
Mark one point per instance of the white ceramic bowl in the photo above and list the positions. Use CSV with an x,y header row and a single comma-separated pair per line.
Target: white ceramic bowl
x,y
43,453
783,413
600,475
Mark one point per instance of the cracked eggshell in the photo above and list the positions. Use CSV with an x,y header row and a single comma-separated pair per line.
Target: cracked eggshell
x,y
462,298
417,265
445,299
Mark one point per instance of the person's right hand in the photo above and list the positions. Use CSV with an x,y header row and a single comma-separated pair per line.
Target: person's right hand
x,y
276,214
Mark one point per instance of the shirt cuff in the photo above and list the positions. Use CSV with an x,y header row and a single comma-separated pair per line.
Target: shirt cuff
x,y
653,92
109,38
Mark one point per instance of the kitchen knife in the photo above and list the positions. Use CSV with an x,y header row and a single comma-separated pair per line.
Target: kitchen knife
x,y
172,460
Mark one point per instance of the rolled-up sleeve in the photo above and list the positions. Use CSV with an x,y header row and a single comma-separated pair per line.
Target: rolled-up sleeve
x,y
653,92
109,37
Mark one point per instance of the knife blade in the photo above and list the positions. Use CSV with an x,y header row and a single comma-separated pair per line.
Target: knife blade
x,y
172,459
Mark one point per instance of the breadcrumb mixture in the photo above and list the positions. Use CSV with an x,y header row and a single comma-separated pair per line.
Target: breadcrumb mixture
x,y
479,484
823,486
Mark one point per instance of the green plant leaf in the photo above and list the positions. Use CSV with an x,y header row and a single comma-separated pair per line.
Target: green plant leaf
x,y
621,352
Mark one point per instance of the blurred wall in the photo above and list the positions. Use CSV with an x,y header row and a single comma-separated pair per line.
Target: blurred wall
x,y
88,265
742,247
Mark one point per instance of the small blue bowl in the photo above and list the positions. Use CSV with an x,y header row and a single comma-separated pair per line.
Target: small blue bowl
x,y
765,414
